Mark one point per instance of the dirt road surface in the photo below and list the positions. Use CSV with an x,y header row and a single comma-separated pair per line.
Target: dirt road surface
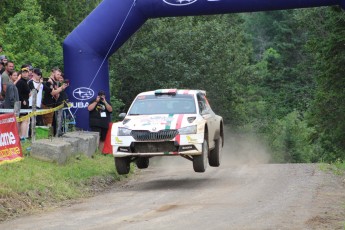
x,y
244,193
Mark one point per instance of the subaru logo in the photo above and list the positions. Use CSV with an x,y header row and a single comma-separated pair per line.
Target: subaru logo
x,y
83,93
179,2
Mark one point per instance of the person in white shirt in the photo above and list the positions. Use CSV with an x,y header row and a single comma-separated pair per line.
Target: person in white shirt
x,y
37,83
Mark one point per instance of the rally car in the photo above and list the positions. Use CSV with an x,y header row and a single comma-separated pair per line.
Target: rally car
x,y
168,122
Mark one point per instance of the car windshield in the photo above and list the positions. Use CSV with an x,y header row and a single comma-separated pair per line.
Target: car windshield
x,y
163,104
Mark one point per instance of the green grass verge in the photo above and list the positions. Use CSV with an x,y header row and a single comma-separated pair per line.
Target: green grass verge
x,y
30,184
63,181
338,168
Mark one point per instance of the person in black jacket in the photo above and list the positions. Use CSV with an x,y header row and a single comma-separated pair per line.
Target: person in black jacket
x,y
24,94
100,116
50,97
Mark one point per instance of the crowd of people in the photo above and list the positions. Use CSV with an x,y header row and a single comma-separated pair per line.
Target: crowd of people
x,y
17,86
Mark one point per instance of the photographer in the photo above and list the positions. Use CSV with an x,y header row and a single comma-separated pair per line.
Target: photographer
x,y
100,116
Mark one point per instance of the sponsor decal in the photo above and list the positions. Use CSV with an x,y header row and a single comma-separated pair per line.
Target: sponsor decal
x,y
169,121
79,105
8,120
123,149
191,140
187,147
179,2
10,148
83,93
157,120
118,141
7,139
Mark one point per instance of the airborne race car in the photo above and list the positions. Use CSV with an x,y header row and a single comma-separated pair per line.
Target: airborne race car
x,y
168,122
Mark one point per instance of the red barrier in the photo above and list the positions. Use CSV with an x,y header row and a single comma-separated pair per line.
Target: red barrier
x,y
10,148
108,149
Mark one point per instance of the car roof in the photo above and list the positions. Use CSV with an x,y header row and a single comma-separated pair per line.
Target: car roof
x,y
173,92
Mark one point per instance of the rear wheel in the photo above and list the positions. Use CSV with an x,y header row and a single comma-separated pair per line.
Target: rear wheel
x,y
143,162
122,165
215,154
200,161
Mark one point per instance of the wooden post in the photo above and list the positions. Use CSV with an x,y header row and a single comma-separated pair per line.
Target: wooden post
x,y
33,118
58,122
16,111
17,106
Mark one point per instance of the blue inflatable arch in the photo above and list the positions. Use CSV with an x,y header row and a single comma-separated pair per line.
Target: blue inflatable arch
x,y
107,28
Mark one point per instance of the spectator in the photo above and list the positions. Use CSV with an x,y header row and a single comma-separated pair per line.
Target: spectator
x,y
24,94
99,116
12,95
61,98
37,83
30,71
50,95
9,67
3,60
29,68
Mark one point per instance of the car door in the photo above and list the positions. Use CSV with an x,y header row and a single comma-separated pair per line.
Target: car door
x,y
209,116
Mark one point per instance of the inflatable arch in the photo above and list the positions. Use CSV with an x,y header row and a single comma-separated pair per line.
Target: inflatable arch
x,y
106,29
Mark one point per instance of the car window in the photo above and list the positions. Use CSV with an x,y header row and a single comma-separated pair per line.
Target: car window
x,y
163,104
203,105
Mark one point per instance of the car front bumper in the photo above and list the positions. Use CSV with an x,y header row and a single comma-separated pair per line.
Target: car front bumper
x,y
181,145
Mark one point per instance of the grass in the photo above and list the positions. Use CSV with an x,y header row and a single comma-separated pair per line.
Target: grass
x,y
62,180
30,184
338,168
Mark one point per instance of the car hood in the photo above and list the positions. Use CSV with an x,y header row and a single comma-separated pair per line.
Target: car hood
x,y
157,122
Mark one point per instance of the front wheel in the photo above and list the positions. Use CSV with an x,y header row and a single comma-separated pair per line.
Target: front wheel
x,y
122,165
216,153
200,161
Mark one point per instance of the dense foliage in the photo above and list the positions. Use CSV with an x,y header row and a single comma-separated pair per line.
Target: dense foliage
x,y
278,74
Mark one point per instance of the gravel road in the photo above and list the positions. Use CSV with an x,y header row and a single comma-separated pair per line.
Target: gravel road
x,y
244,193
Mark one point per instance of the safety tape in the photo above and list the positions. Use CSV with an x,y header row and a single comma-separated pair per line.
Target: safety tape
x,y
46,111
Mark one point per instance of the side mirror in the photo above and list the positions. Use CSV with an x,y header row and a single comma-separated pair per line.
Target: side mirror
x,y
122,116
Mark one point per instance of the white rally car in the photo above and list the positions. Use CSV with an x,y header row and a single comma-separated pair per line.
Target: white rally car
x,y
168,122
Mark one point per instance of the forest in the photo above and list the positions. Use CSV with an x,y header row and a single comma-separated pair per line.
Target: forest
x,y
278,75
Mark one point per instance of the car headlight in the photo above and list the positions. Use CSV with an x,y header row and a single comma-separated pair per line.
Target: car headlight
x,y
188,130
123,131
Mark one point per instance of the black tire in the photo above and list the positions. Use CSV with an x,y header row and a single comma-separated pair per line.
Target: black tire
x,y
216,153
122,165
143,162
200,161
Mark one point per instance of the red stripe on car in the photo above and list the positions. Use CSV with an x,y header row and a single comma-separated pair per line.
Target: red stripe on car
x,y
178,125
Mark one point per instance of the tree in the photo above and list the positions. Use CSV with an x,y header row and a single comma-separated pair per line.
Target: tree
x,y
209,53
30,39
326,43
68,14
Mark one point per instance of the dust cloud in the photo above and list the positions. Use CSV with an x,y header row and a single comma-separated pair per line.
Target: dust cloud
x,y
240,149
